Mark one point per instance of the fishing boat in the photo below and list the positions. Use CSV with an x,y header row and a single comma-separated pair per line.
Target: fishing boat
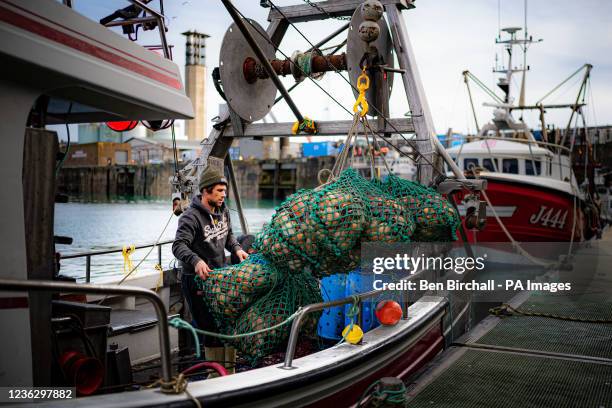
x,y
61,68
85,72
533,194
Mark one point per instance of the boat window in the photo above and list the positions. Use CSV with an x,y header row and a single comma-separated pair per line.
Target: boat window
x,y
468,163
489,165
510,166
533,167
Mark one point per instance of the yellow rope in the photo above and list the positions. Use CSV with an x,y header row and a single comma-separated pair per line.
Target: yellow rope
x,y
160,280
127,260
307,126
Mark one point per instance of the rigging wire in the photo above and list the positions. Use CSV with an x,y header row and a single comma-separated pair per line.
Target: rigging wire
x,y
409,142
174,150
287,57
567,90
321,9
334,68
484,88
561,84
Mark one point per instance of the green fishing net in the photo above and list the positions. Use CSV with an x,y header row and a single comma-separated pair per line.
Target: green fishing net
x,y
435,218
284,300
313,228
321,229
312,234
229,291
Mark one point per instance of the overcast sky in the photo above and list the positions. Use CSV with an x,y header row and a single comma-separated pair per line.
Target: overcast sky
x,y
448,37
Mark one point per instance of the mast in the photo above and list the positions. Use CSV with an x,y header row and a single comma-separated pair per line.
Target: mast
x,y
504,83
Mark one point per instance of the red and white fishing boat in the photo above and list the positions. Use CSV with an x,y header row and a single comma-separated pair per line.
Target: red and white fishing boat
x,y
532,194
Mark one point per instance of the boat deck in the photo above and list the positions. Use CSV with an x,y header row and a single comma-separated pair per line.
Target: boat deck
x,y
530,361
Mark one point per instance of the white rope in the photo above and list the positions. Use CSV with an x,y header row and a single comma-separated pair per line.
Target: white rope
x,y
515,244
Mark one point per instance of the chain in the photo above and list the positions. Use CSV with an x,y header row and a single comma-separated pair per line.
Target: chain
x,y
322,10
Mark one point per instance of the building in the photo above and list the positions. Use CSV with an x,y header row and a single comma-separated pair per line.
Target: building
x,y
152,151
98,154
100,132
195,83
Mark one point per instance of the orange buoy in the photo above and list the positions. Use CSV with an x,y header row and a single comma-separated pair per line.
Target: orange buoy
x,y
388,312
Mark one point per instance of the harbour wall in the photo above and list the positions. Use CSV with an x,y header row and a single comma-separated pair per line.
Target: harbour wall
x,y
256,179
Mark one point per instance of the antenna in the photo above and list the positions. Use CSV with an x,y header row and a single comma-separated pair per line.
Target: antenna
x,y
498,18
525,45
526,19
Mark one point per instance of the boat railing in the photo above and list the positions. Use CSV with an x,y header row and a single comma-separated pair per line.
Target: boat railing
x,y
89,254
15,285
315,307
519,140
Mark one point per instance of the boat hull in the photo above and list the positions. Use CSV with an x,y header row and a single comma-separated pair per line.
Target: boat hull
x,y
530,213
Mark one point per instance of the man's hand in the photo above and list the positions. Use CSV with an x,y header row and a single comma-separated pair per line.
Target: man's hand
x,y
202,269
241,255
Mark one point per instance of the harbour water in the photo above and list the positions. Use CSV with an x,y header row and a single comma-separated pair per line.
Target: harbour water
x,y
107,225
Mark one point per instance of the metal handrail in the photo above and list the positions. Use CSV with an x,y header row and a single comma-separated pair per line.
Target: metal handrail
x,y
303,311
160,309
89,254
160,23
114,250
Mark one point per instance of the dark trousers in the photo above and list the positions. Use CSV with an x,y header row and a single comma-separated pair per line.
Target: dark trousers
x,y
201,317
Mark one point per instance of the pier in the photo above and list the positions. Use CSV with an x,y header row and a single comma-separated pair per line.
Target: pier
x,y
545,350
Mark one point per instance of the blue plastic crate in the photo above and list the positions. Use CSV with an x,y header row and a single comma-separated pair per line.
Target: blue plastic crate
x,y
331,321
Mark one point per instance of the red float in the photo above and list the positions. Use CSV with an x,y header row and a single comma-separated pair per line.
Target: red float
x,y
122,126
388,312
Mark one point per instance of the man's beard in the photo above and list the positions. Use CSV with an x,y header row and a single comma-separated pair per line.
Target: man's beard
x,y
213,204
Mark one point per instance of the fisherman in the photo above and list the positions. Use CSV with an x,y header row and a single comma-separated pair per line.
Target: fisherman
x,y
204,232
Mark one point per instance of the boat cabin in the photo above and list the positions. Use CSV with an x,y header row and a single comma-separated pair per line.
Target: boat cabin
x,y
511,157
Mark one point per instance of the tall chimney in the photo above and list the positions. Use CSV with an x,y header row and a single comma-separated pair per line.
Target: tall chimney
x,y
195,82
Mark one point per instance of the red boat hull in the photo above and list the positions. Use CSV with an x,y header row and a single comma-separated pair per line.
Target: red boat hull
x,y
530,213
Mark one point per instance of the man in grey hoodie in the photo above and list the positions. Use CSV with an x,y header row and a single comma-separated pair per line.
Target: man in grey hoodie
x,y
204,231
